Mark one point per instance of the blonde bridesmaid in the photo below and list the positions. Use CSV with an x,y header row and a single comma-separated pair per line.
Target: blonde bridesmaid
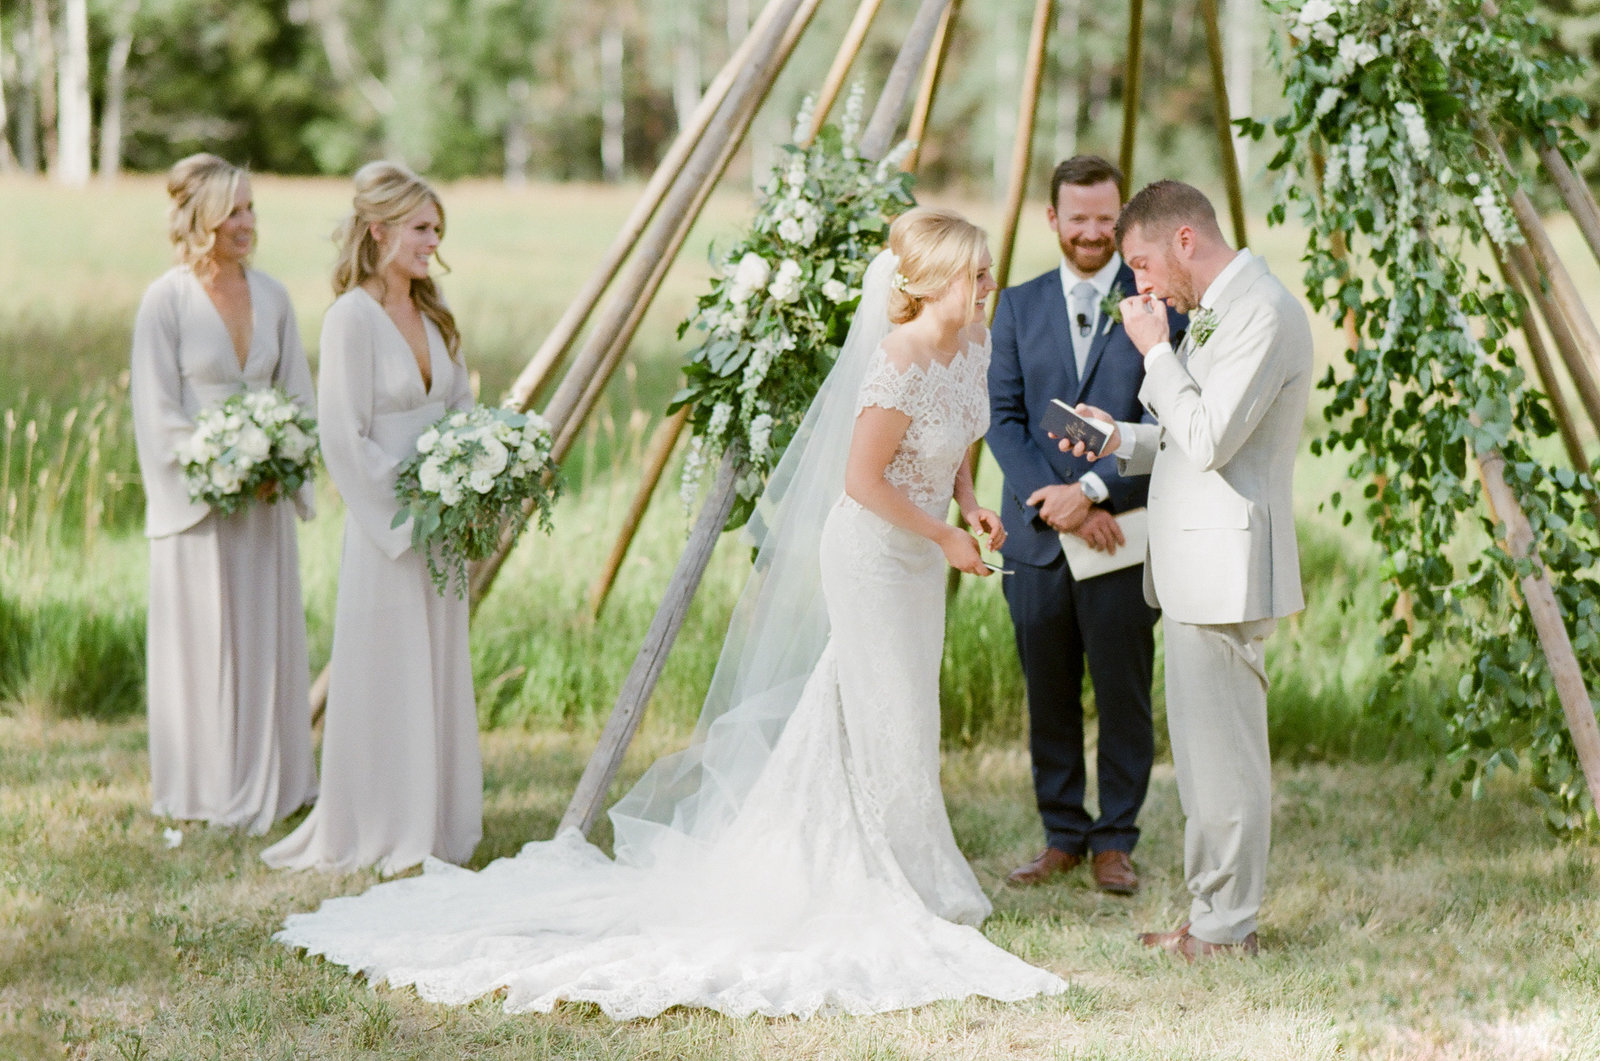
x,y
226,679
401,775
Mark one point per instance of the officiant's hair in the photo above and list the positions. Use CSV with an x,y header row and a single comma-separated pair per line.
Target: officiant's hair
x,y
1083,171
1162,207
936,247
386,194
202,188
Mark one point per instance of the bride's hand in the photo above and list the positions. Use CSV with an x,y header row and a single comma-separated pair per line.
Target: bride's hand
x,y
961,550
987,521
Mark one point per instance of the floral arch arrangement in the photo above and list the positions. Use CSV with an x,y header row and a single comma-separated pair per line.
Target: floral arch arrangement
x,y
1389,154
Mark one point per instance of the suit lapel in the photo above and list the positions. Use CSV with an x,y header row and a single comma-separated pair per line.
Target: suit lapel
x,y
1058,326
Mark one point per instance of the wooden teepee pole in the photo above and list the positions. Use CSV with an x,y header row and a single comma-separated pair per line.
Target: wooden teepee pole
x,y
1542,365
932,74
662,443
671,430
1224,120
602,351
849,48
624,720
1526,269
547,360
1131,89
887,115
629,710
1565,670
1575,193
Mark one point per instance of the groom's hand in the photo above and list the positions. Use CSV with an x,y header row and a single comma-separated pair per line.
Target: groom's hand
x,y
1062,506
1078,449
1144,318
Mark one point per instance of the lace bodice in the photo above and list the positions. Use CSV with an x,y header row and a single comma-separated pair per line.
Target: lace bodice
x,y
949,409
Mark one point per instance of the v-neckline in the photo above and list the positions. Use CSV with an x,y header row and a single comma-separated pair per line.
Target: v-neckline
x,y
250,340
433,373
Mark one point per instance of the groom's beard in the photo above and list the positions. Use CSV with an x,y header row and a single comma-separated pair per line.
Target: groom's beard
x,y
1180,293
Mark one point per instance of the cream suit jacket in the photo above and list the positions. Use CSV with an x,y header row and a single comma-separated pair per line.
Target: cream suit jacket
x,y
1221,458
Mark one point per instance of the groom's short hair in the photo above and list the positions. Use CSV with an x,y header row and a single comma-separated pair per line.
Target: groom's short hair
x,y
1162,207
1083,171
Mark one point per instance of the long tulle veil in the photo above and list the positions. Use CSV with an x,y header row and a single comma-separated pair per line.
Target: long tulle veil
x,y
779,626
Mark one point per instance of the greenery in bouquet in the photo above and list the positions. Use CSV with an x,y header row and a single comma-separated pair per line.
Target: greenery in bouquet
x,y
253,444
1388,153
474,476
781,303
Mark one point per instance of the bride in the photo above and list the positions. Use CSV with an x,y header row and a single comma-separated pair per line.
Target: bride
x,y
797,858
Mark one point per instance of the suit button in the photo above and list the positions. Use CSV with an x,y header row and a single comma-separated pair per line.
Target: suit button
x,y
1162,446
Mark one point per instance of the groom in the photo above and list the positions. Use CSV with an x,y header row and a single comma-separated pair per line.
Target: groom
x,y
1053,339
1223,565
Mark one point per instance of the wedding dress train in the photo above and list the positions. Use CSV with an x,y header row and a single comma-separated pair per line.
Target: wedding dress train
x,y
798,858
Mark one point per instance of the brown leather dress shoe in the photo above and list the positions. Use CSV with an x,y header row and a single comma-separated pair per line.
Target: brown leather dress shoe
x,y
1052,862
1114,873
1192,948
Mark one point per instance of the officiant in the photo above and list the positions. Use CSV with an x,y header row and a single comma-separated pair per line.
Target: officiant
x,y
1057,336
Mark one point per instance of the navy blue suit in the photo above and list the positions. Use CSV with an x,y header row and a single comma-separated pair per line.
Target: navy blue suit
x,y
1031,364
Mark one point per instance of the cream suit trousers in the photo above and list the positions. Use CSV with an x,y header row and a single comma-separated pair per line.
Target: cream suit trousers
x,y
1217,715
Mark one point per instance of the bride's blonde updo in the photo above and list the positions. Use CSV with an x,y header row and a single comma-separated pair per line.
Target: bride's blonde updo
x,y
936,247
202,188
386,194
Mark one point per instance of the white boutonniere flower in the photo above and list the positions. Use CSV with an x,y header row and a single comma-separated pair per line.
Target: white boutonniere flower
x,y
1202,324
1111,307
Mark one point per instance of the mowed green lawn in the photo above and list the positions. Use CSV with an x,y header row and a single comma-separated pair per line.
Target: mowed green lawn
x,y
1400,923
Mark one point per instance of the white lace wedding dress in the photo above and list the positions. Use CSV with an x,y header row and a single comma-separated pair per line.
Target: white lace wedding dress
x,y
830,883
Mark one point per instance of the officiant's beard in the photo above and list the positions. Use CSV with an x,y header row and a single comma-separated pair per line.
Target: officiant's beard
x,y
1088,257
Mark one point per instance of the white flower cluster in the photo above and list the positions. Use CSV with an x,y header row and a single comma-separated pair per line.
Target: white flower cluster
x,y
470,451
762,355
1315,19
1492,209
787,285
1415,125
251,439
748,275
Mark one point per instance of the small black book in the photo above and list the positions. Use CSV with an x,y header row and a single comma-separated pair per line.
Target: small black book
x,y
1062,421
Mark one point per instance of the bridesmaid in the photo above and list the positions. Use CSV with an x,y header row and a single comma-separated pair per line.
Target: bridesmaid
x,y
230,730
401,775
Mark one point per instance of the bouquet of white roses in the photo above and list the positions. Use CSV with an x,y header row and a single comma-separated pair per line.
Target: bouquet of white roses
x,y
252,440
467,484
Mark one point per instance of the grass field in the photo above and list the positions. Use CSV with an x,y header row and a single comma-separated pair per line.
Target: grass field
x,y
1400,923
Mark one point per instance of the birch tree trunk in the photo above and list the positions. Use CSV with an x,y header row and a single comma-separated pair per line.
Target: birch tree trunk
x,y
116,91
685,61
8,161
1068,55
613,114
44,82
738,21
1004,115
75,122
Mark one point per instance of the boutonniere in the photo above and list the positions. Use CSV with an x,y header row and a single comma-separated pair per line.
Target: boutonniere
x,y
1202,324
1111,307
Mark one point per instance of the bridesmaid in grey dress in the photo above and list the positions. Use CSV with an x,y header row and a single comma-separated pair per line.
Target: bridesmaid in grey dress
x,y
230,729
401,775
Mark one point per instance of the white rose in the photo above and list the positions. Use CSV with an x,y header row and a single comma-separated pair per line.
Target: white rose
x,y
226,478
294,443
750,276
427,440
481,480
428,476
835,290
449,493
253,444
786,288
791,230
491,458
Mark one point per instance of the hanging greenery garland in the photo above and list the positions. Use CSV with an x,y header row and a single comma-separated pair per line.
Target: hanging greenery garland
x,y
1387,157
781,303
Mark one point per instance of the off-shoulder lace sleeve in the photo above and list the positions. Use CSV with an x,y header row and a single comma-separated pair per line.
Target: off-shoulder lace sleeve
x,y
888,387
